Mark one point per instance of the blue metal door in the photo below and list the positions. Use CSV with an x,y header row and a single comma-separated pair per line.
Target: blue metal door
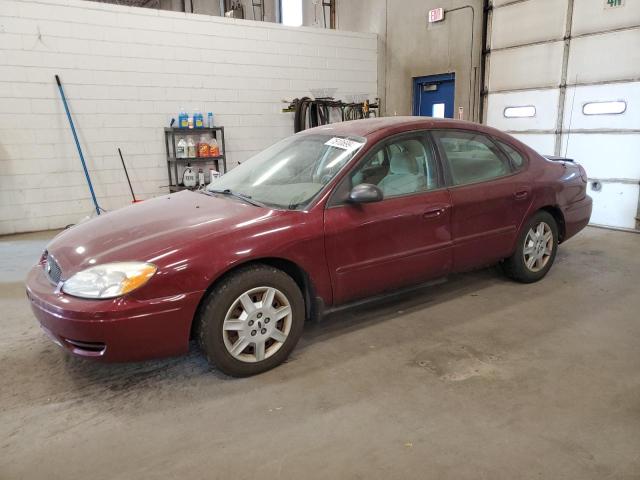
x,y
433,95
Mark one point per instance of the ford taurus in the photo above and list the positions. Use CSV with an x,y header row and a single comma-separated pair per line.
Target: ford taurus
x,y
321,219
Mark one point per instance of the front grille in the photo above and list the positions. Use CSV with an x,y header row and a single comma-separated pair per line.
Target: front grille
x,y
52,269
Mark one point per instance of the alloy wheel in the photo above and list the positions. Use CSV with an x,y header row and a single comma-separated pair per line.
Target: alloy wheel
x,y
538,247
257,324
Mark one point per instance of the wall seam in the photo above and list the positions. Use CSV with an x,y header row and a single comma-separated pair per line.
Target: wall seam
x,y
563,78
556,40
569,84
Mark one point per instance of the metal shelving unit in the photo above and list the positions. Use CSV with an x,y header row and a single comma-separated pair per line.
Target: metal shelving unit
x,y
170,135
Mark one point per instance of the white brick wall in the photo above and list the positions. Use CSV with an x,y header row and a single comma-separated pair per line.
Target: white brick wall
x,y
126,71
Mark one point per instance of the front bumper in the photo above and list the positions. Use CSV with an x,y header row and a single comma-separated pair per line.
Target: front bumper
x,y
118,330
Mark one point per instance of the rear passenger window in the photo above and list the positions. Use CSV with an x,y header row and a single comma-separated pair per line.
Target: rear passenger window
x,y
471,156
516,159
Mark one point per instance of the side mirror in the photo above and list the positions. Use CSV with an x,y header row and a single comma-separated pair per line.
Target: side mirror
x,y
365,193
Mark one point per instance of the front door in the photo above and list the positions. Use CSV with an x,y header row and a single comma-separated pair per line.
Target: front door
x,y
401,240
433,95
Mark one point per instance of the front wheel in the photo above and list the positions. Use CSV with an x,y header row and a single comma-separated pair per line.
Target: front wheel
x,y
251,321
536,249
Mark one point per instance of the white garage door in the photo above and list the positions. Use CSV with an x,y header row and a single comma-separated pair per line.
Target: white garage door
x,y
563,76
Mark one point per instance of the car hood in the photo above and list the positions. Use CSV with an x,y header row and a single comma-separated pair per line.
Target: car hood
x,y
153,229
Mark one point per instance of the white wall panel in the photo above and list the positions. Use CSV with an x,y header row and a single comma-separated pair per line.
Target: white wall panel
x,y
528,22
605,155
526,67
616,205
609,56
543,143
592,16
544,101
126,71
577,97
609,147
609,156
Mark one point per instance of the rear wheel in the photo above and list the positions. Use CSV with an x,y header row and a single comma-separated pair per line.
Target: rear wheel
x,y
251,321
535,251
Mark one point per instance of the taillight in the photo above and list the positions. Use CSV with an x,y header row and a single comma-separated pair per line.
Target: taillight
x,y
583,173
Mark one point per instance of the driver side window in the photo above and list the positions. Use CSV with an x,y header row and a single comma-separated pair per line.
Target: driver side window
x,y
400,167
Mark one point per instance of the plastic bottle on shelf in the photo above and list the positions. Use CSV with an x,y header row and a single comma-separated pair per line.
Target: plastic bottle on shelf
x,y
198,120
191,148
214,149
188,177
203,146
183,118
213,174
200,178
181,148
210,120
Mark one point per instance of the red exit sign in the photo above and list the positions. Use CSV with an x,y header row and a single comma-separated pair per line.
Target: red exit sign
x,y
436,15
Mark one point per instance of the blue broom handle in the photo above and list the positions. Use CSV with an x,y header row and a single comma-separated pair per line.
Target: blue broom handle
x,y
75,137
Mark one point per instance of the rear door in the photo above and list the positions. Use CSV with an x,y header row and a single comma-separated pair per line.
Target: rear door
x,y
489,199
401,240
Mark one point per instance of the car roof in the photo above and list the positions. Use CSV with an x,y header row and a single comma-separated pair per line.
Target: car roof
x,y
375,129
369,126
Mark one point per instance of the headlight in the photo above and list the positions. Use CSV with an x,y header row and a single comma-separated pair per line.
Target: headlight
x,y
109,280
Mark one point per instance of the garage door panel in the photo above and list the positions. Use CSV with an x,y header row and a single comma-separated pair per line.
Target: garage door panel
x,y
543,143
593,16
526,67
606,155
603,72
545,103
546,20
609,56
615,205
578,97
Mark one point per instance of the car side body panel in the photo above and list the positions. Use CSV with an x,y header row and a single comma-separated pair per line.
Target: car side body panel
x,y
372,248
346,252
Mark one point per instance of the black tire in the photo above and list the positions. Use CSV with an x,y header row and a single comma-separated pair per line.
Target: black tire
x,y
515,266
221,299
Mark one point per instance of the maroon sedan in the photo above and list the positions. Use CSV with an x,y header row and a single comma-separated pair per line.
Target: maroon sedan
x,y
323,218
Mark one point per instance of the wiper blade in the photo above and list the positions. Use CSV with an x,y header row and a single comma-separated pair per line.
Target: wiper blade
x,y
241,196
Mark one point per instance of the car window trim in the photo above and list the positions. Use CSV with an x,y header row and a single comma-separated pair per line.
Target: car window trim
x,y
445,160
525,161
384,143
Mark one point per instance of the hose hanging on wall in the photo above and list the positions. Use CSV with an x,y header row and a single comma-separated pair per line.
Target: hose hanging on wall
x,y
312,113
299,119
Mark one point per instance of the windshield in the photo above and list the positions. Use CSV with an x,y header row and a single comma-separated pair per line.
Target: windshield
x,y
291,172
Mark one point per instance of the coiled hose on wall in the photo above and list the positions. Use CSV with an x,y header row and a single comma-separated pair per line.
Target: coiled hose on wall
x,y
311,113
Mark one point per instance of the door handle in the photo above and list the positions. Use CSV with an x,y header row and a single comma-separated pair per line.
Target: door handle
x,y
433,213
521,195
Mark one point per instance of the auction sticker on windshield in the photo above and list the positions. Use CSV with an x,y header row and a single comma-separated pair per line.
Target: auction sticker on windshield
x,y
343,143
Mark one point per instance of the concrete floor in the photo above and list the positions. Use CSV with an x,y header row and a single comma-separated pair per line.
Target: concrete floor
x,y
474,378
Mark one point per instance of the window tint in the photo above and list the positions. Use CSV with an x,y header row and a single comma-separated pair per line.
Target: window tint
x,y
516,159
400,167
472,157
